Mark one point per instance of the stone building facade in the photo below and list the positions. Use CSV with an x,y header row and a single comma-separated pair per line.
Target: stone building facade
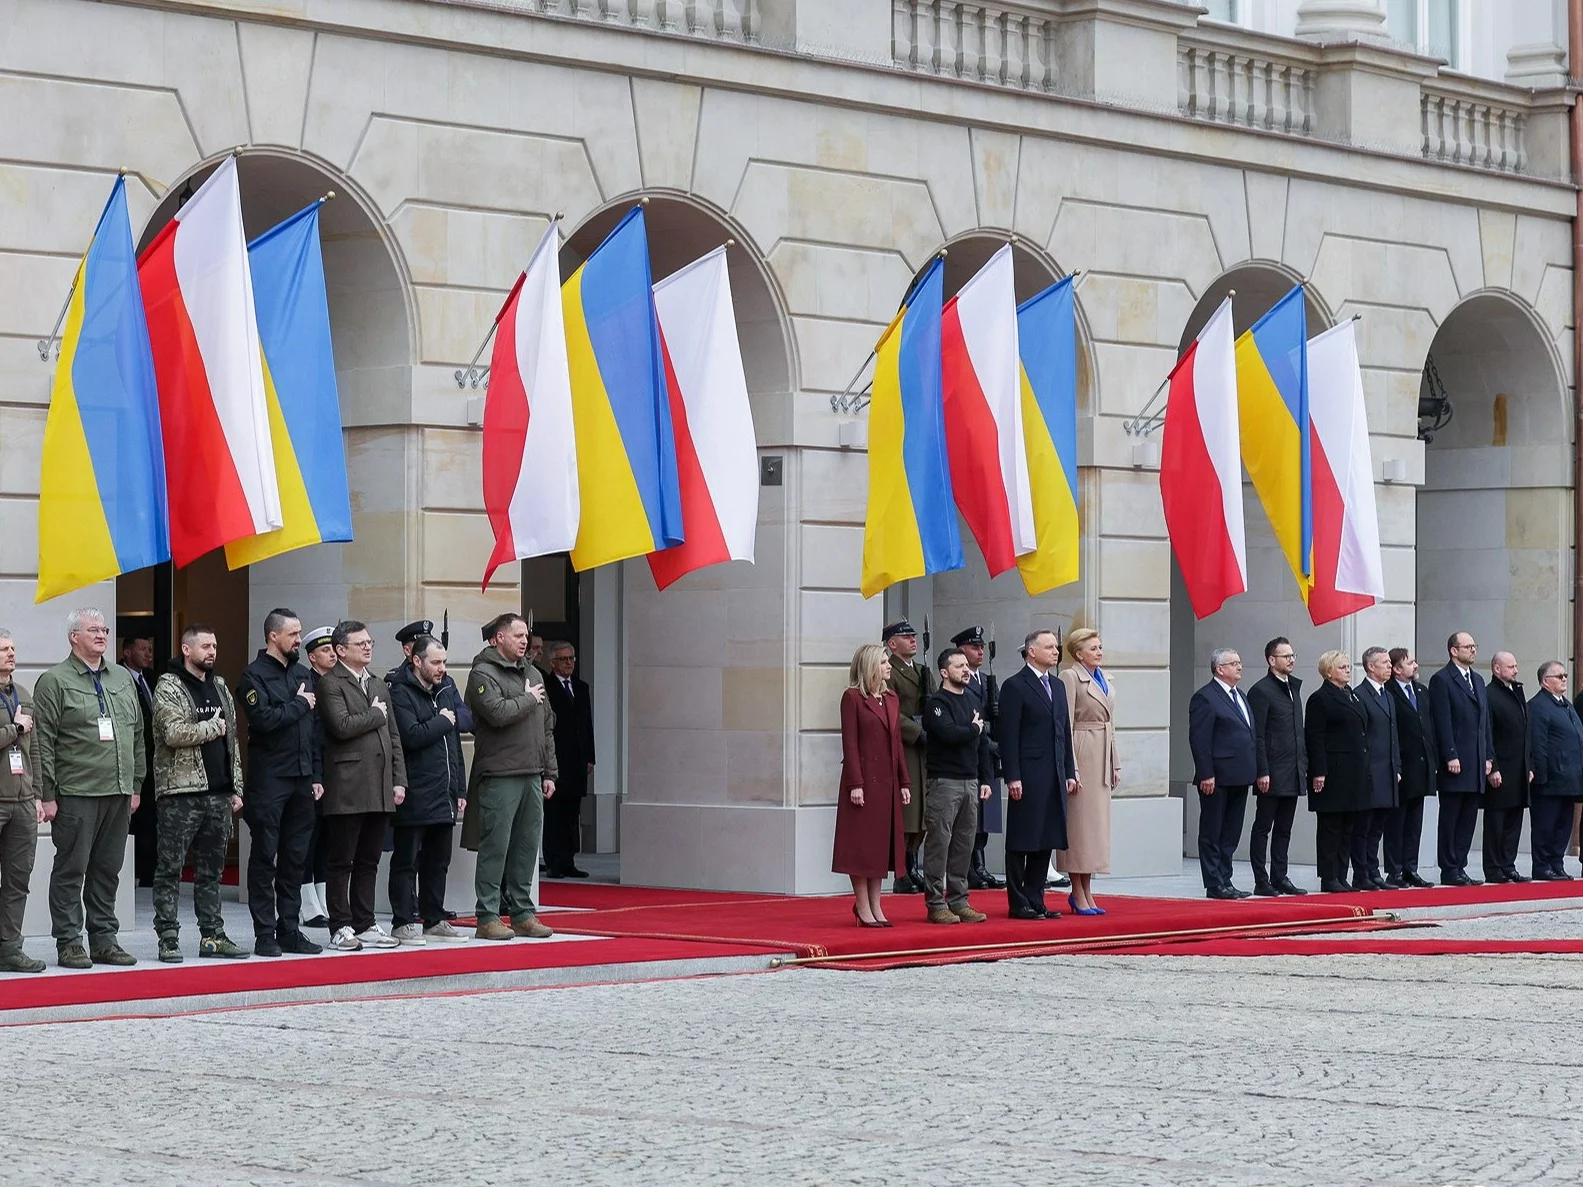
x,y
840,145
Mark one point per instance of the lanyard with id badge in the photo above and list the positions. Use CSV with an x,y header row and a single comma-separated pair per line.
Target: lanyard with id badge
x,y
106,726
13,703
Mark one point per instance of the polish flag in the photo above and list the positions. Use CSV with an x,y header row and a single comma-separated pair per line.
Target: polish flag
x,y
208,366
982,379
1348,571
530,450
1201,468
716,447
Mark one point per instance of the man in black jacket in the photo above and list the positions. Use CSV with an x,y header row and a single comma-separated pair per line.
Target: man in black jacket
x,y
1506,790
959,775
283,781
574,754
1415,737
1556,750
425,705
1277,703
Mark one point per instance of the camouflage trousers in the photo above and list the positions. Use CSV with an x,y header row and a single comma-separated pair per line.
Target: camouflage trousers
x,y
200,821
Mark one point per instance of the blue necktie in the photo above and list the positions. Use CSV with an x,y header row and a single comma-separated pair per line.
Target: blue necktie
x,y
1045,681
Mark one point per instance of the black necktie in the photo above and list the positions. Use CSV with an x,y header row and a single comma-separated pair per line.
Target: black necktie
x,y
1467,678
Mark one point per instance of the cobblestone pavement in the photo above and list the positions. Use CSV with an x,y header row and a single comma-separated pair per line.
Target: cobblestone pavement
x,y
1143,1071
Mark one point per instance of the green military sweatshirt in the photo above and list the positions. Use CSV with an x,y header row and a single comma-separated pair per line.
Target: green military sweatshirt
x,y
72,759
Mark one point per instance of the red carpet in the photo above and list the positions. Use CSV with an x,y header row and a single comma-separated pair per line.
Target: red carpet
x,y
153,981
824,927
601,896
1453,896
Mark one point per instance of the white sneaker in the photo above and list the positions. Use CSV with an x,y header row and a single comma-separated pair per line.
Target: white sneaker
x,y
345,941
378,937
410,935
444,932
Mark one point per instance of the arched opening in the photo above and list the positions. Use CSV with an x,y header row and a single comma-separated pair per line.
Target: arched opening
x,y
692,705
1495,511
1272,605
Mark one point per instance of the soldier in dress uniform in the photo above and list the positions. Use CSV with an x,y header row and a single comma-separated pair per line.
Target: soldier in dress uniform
x,y
985,690
912,684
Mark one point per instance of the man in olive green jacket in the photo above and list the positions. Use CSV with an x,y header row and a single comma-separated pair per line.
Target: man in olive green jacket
x,y
91,762
514,772
19,812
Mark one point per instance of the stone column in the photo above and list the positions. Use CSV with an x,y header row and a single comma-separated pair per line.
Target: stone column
x,y
1341,20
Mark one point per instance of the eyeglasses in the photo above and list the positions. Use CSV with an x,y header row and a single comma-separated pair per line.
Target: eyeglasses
x,y
96,631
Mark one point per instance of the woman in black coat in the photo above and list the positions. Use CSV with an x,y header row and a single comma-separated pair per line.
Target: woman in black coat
x,y
1335,729
426,708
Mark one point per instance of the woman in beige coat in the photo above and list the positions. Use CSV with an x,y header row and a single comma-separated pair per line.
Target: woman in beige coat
x,y
1091,709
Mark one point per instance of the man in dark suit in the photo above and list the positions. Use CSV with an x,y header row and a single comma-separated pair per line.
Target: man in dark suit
x,y
912,684
1036,759
1506,790
1556,751
1385,769
1225,765
1277,702
985,691
574,755
1461,708
1415,741
137,657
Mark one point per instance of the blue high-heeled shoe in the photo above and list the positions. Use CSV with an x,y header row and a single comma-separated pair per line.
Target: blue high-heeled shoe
x,y
1071,901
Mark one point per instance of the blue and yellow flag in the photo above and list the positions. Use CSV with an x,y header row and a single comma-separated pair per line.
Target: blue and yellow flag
x,y
1272,407
621,414
911,527
101,508
1047,342
299,383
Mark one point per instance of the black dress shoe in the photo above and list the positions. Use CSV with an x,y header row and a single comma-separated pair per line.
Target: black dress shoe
x,y
1457,878
1266,890
1412,878
1221,892
1497,877
977,881
317,921
1059,882
1377,882
567,872
1046,913
1472,881
1545,876
1235,893
1287,886
1025,913
1331,886
1394,882
266,945
1514,876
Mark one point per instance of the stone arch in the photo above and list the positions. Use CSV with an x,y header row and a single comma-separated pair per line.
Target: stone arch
x,y
1494,515
373,327
681,228
1272,605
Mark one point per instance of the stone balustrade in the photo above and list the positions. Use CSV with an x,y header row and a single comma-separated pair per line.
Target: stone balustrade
x,y
1006,44
726,20
1228,76
1469,122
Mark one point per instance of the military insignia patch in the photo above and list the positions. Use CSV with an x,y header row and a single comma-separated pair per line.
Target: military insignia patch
x,y
252,696
480,688
937,711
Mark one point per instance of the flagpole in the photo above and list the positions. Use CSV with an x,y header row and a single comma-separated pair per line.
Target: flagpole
x,y
1145,421
473,373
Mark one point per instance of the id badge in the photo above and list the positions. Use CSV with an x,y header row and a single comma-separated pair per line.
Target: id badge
x,y
16,760
106,730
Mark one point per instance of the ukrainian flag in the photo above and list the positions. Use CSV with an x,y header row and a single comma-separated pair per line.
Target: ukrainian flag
x,y
101,509
911,527
1047,337
299,386
621,413
1272,406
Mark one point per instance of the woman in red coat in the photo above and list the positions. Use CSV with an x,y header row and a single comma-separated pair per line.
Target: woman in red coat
x,y
868,832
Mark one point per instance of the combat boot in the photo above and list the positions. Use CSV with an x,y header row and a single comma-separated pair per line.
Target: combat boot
x,y
494,929
20,962
170,950
219,947
531,928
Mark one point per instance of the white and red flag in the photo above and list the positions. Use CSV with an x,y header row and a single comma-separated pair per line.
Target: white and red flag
x,y
982,383
716,448
529,448
1348,571
214,415
1201,468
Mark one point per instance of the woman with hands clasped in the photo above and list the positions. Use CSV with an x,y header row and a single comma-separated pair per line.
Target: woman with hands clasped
x,y
1091,711
868,826
1335,728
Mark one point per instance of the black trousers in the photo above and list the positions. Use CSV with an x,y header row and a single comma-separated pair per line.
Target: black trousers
x,y
1272,817
1025,879
279,817
1551,818
1219,829
145,835
355,843
1404,832
316,867
563,827
1368,830
418,865
1502,828
1333,844
1459,816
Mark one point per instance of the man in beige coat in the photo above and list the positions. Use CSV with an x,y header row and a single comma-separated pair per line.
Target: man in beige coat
x,y
365,777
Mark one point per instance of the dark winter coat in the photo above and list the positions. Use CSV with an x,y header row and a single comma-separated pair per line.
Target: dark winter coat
x,y
431,744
